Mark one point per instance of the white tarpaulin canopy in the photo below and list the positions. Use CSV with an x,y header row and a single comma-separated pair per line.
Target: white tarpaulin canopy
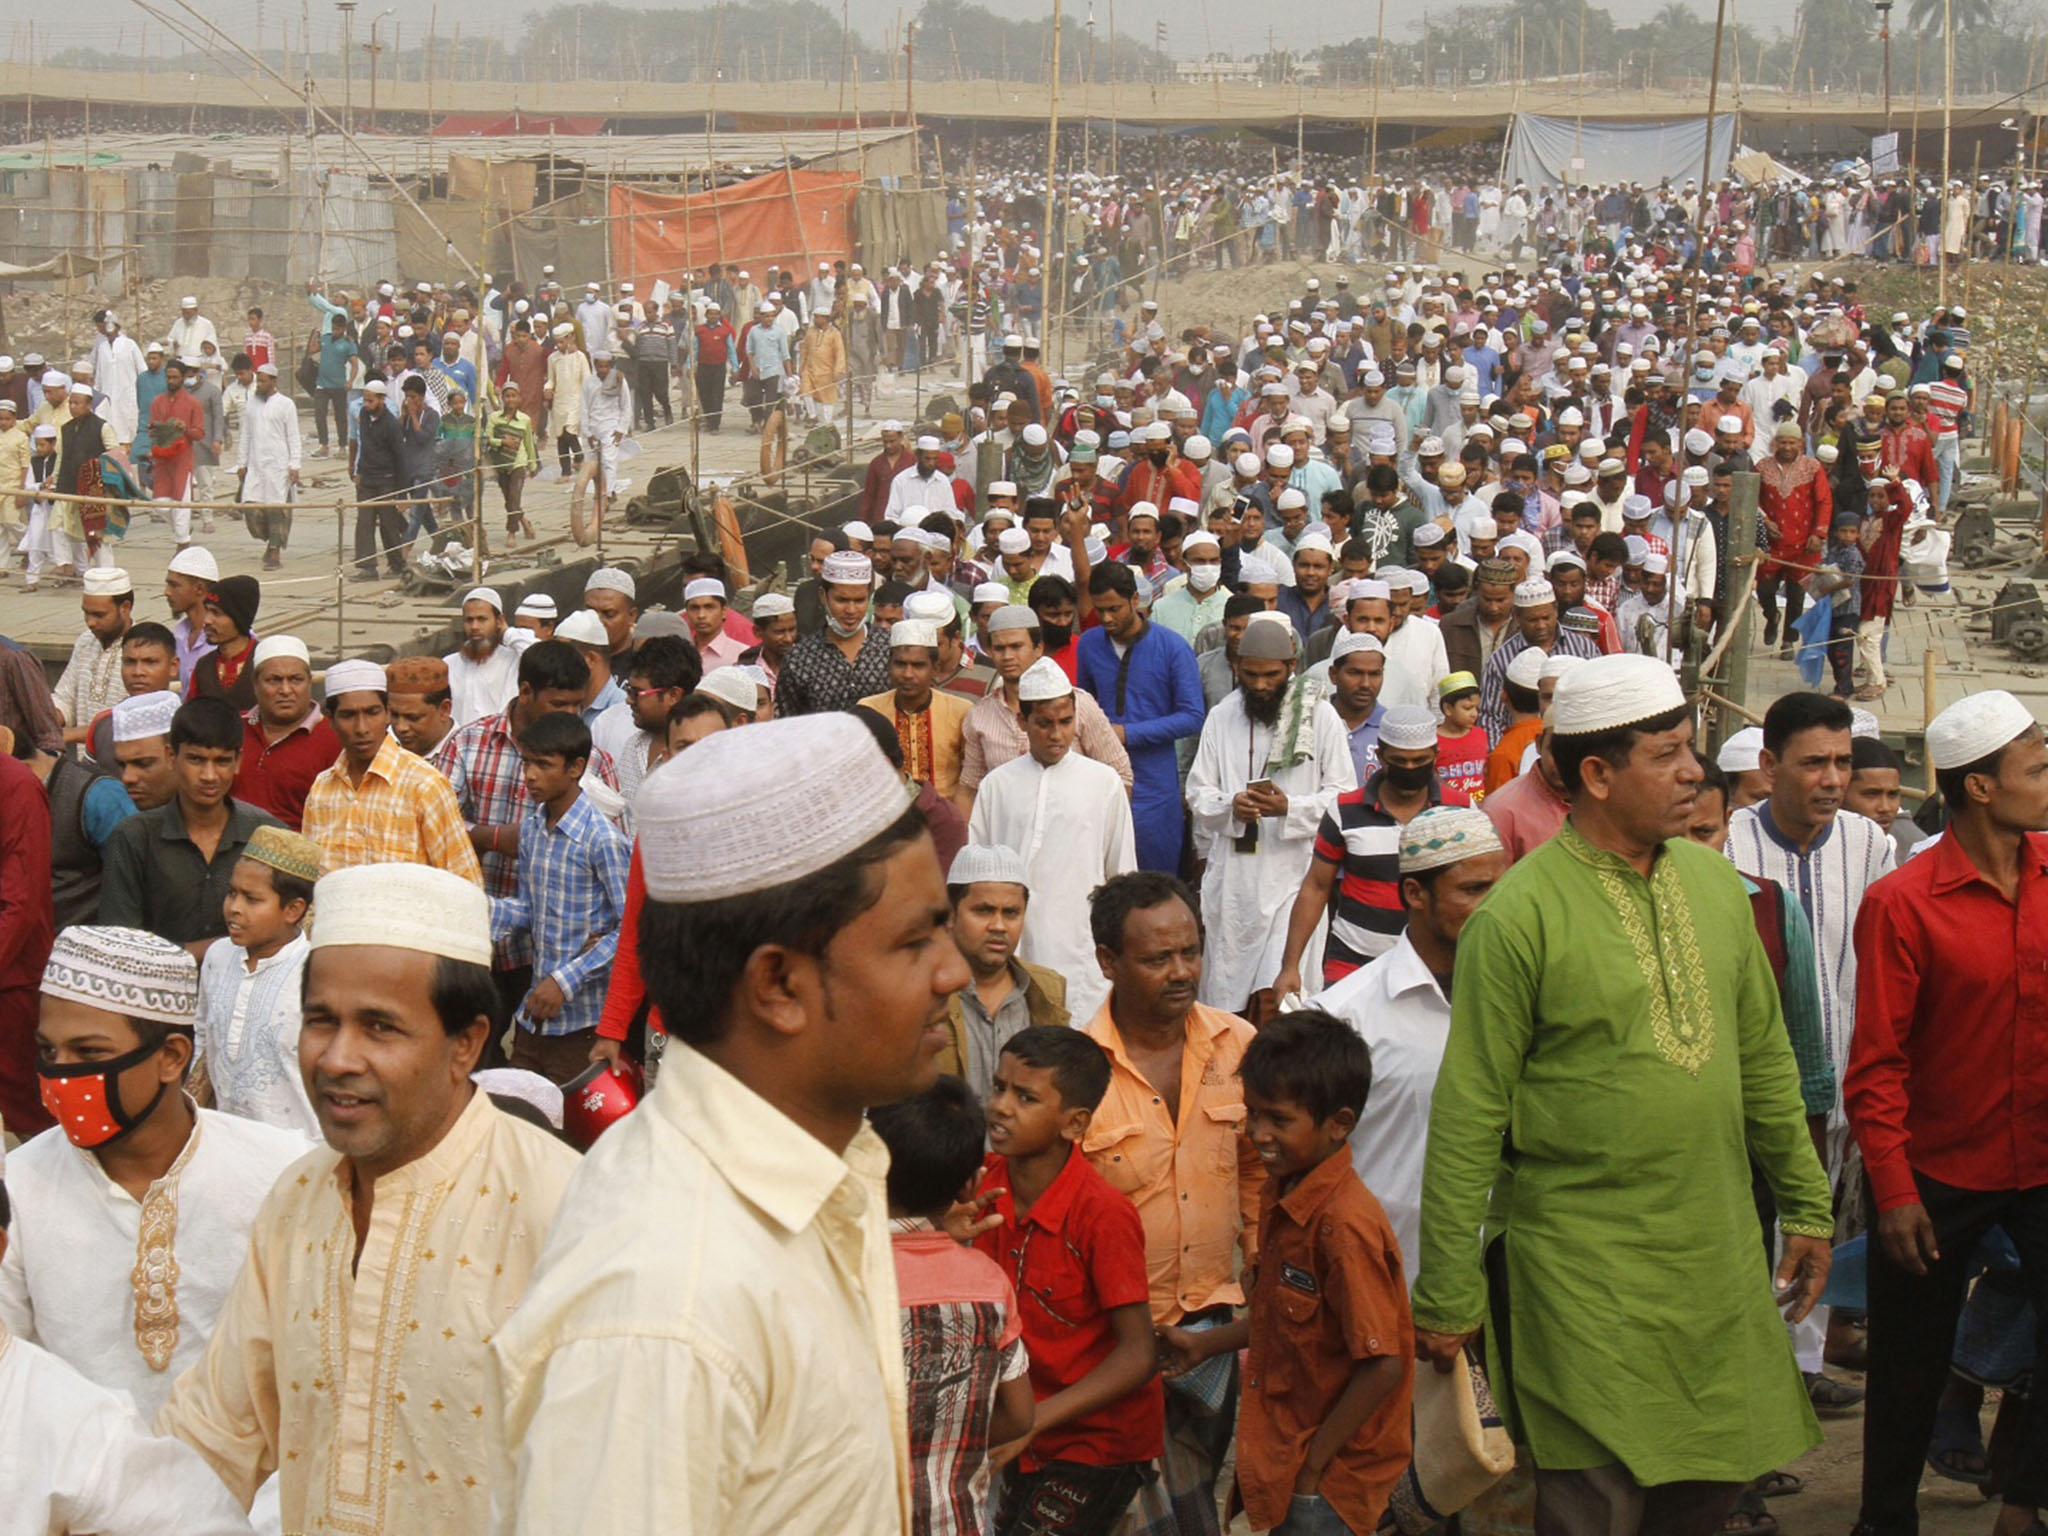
x,y
1553,151
1757,166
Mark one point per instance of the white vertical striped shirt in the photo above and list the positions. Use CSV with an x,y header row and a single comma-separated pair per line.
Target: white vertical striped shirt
x,y
1828,880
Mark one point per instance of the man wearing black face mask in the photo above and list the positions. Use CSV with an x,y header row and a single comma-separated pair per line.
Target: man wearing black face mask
x,y
127,1290
1358,855
1056,603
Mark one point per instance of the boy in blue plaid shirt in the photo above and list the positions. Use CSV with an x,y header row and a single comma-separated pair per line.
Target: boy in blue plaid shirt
x,y
1838,581
571,899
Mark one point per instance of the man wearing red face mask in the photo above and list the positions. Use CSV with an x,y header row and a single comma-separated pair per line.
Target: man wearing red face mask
x,y
133,1213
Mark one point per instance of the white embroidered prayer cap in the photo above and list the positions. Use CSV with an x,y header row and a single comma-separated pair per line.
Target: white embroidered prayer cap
x,y
196,562
484,595
1610,692
1408,728
932,607
753,809
609,578
1526,669
729,686
773,605
1043,679
846,568
124,971
403,906
1556,664
107,581
1352,642
583,627
143,716
704,586
979,864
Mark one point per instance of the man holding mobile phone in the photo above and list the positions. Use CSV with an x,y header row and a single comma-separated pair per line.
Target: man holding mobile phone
x,y
1273,758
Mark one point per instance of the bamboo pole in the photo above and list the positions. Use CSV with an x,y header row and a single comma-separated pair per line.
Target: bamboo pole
x,y
1053,232
1948,96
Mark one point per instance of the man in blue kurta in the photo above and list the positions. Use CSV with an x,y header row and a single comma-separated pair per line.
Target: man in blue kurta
x,y
1147,682
1617,1058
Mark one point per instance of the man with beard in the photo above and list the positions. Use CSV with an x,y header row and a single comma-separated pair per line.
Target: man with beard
x,y
847,660
483,672
287,741
921,486
1067,818
1271,764
177,423
1353,887
895,457
91,683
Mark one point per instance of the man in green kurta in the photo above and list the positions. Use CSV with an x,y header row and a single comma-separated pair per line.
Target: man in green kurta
x,y
1617,1057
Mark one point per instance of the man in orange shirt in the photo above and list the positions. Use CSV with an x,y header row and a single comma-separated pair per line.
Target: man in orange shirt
x,y
1168,1135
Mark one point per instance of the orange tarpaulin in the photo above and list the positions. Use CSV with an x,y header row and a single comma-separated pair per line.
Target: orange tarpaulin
x,y
754,223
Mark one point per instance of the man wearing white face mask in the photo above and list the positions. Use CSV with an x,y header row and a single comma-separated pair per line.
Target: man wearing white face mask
x,y
1194,602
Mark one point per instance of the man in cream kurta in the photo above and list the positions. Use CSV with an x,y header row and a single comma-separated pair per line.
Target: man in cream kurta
x,y
1070,821
351,1363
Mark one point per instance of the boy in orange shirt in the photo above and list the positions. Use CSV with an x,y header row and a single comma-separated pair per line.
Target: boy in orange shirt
x,y
1324,1433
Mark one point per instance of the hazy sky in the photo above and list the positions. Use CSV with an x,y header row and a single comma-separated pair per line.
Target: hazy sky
x,y
1191,30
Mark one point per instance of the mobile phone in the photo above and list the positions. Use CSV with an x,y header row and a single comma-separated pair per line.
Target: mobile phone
x,y
1259,787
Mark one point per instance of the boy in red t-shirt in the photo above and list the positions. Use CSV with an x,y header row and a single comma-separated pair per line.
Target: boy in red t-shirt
x,y
963,1349
1460,745
1075,1251
1324,1432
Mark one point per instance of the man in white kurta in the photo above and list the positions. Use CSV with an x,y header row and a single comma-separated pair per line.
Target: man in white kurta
x,y
117,365
1396,1002
80,1242
350,1358
1069,818
267,457
1293,740
78,1459
1416,661
127,1287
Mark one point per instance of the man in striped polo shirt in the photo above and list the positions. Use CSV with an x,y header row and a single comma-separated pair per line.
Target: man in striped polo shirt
x,y
1358,856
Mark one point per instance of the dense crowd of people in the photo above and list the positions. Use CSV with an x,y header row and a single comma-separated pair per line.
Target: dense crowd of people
x,y
1206,932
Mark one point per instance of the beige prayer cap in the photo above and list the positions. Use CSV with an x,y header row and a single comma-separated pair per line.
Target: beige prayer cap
x,y
403,906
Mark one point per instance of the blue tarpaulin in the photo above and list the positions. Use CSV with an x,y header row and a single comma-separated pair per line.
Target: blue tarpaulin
x,y
1542,151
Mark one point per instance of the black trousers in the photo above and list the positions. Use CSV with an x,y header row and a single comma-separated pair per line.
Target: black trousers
x,y
385,520
1065,1498
1913,1334
650,385
1795,604
711,393
568,453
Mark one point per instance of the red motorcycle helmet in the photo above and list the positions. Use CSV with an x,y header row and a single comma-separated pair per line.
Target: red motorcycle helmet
x,y
597,1098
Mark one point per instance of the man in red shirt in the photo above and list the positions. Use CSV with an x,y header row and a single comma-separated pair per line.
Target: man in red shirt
x,y
175,423
883,468
1908,447
1158,475
286,740
715,347
1947,1090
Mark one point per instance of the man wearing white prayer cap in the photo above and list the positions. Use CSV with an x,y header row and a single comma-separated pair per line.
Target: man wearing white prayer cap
x,y
928,723
290,742
378,803
115,1035
921,486
435,1207
1345,897
141,729
1068,818
91,681
794,942
483,672
612,595
1270,765
989,891
1537,628
846,661
1949,1147
1597,990
704,603
1741,758
1447,859
191,573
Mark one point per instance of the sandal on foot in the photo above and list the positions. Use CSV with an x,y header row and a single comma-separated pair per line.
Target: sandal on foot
x,y
1957,1439
1780,1484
